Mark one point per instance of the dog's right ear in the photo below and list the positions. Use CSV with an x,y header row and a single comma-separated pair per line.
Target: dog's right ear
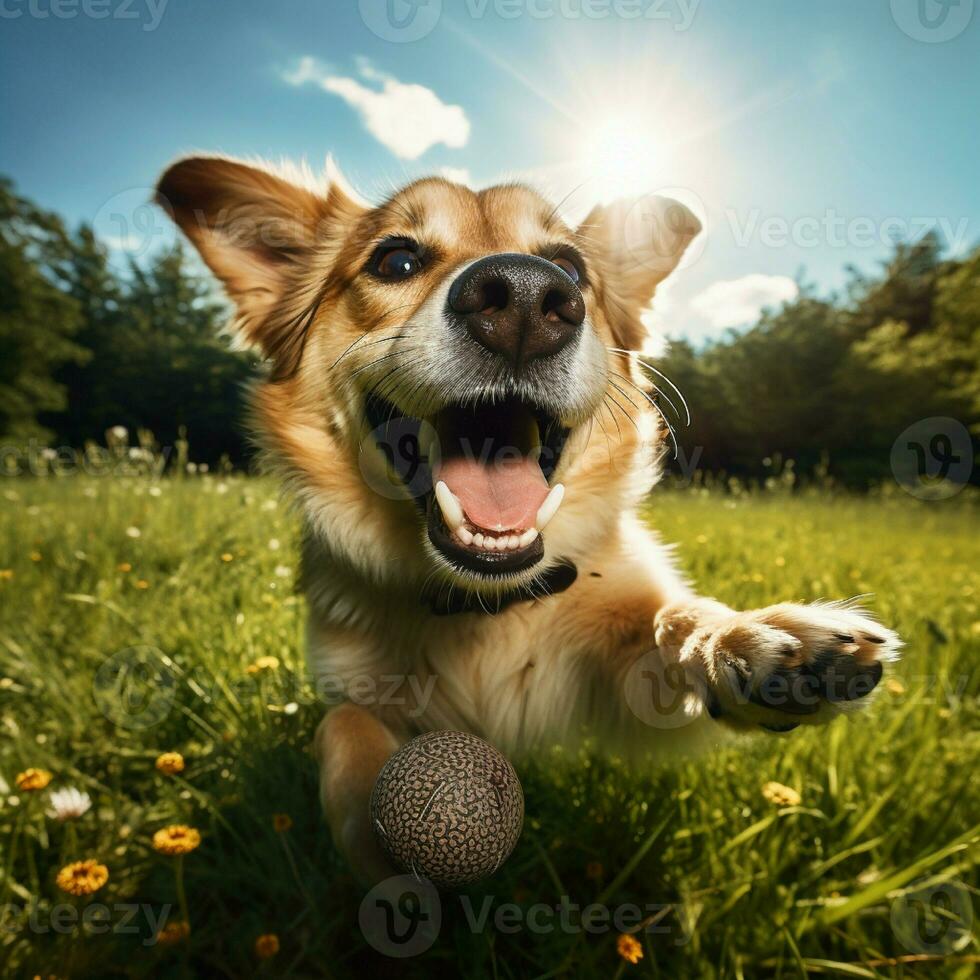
x,y
257,231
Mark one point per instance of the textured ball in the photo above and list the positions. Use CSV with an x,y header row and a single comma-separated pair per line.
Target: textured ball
x,y
448,807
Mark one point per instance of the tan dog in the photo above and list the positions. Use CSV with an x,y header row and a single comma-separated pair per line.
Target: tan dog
x,y
452,400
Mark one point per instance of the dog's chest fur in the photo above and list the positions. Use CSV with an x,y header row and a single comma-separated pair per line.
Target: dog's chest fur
x,y
539,672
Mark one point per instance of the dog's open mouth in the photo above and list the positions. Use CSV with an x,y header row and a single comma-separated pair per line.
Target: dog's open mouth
x,y
482,474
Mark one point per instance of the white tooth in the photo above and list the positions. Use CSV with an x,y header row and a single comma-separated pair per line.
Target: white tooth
x,y
451,508
514,542
490,543
528,536
550,506
478,540
465,536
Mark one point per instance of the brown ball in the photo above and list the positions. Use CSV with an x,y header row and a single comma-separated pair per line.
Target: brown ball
x,y
449,807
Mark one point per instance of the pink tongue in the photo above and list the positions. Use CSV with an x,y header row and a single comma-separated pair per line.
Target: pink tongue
x,y
503,495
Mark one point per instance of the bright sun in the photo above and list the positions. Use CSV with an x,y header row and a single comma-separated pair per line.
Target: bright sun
x,y
621,157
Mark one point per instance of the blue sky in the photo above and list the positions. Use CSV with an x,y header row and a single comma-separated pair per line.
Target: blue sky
x,y
806,134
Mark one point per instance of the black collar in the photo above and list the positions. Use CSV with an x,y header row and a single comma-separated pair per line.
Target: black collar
x,y
446,601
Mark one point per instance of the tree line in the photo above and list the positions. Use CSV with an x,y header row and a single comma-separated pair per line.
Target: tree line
x,y
827,382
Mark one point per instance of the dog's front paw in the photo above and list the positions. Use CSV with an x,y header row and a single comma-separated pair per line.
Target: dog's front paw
x,y
787,665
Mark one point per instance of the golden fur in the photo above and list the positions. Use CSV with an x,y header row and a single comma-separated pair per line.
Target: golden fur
x,y
550,670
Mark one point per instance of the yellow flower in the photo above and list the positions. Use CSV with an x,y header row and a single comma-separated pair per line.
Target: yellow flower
x,y
629,948
894,686
6,574
124,567
594,870
227,556
170,763
282,822
82,877
266,946
31,780
142,584
173,933
781,795
36,556
263,663
176,840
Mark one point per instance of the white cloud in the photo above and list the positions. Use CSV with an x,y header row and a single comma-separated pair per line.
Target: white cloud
x,y
737,302
458,175
307,69
406,118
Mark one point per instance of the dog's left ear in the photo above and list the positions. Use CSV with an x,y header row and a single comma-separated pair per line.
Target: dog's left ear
x,y
258,231
635,243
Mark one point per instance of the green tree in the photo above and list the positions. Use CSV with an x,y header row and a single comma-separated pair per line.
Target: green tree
x,y
38,317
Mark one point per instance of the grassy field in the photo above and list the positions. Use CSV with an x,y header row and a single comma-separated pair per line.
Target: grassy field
x,y
133,621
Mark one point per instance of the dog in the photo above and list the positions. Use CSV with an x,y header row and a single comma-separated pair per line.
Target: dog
x,y
454,398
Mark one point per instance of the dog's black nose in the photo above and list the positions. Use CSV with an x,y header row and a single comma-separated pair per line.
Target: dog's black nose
x,y
520,307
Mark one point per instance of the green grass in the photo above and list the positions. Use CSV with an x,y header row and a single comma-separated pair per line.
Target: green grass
x,y
742,887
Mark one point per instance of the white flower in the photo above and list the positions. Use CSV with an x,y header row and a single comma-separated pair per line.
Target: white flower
x,y
192,468
119,432
69,803
273,544
283,571
291,708
154,491
133,532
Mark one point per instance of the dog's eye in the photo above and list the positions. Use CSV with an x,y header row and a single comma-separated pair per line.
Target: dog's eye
x,y
567,266
396,261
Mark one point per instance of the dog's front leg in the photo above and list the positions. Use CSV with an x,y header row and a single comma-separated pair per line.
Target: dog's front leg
x,y
351,746
777,667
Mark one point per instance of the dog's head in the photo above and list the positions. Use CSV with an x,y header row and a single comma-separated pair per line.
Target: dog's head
x,y
446,367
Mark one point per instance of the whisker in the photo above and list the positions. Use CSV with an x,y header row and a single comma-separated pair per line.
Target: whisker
x,y
636,387
666,421
647,364
370,330
623,410
383,357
